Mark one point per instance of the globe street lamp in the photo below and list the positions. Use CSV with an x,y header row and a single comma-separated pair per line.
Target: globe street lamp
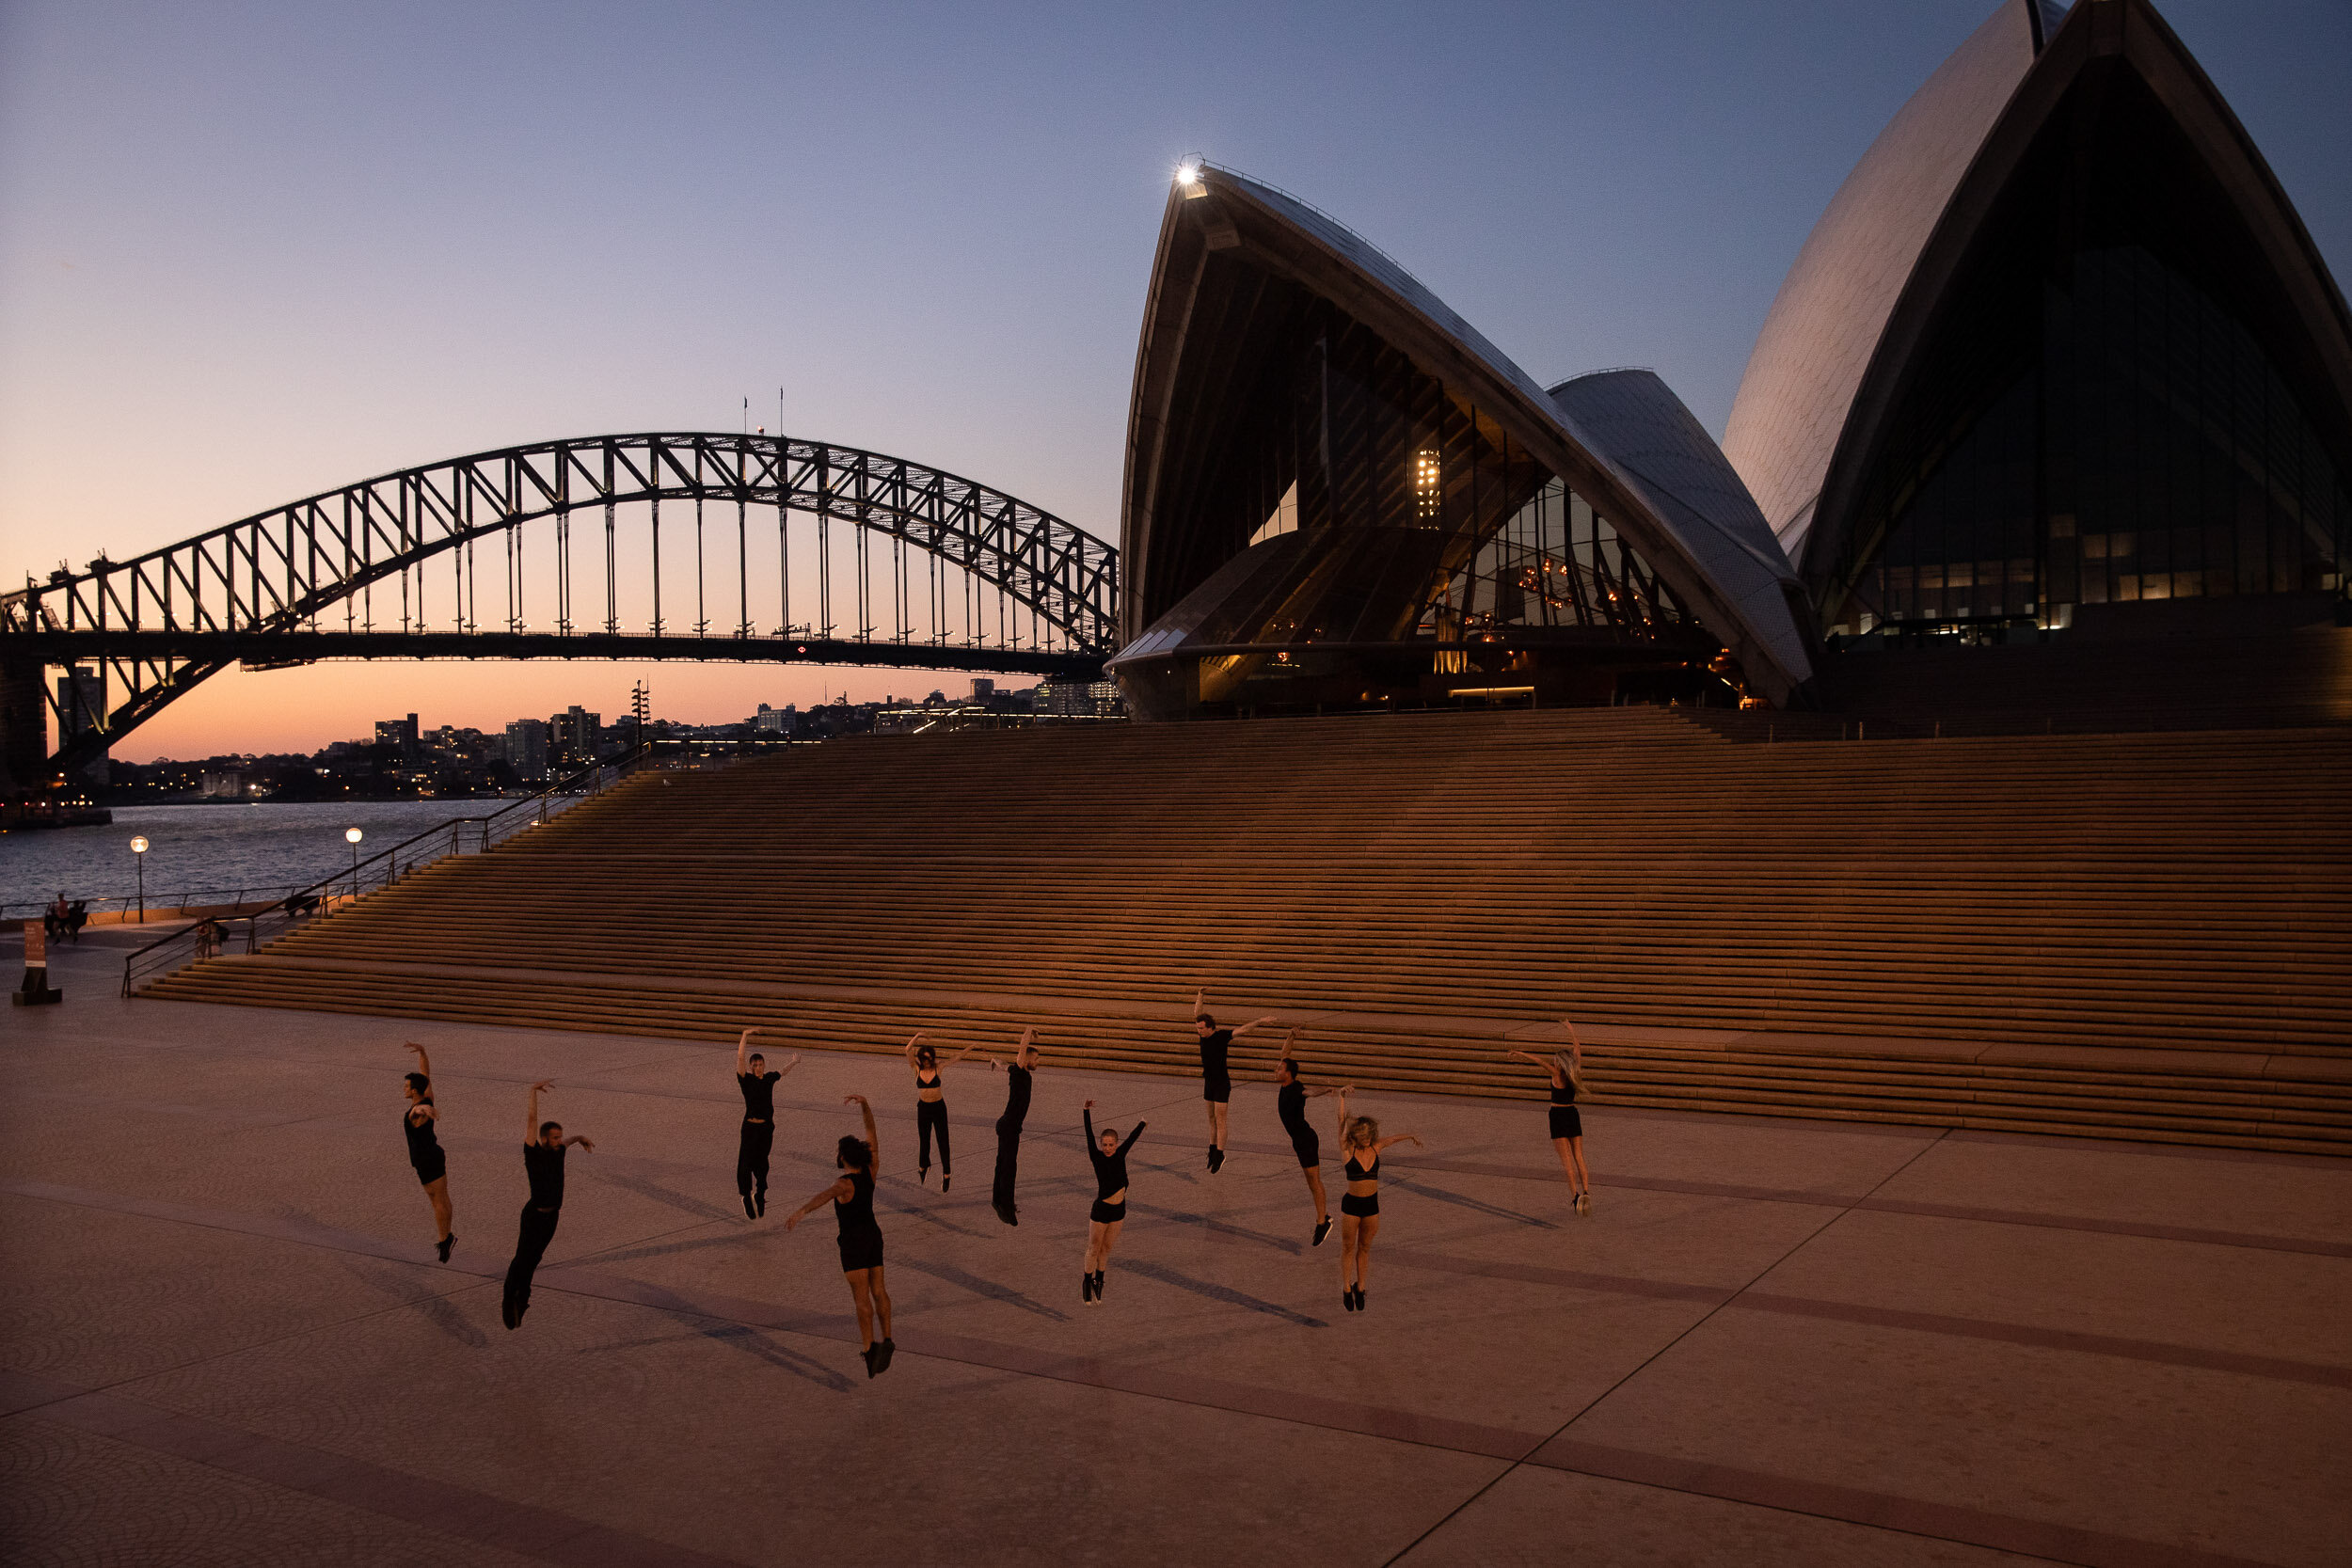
x,y
352,836
138,858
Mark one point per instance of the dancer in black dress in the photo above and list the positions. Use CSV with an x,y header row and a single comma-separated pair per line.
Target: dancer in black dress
x,y
425,1147
931,1108
1290,1103
1566,1070
861,1240
1109,1157
1217,1084
544,1144
1017,1086
758,1137
1359,1206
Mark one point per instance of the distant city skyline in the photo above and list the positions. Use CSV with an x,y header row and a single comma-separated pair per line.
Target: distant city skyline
x,y
252,252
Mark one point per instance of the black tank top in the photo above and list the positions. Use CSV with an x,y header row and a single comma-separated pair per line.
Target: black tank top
x,y
424,1147
1290,1105
1017,1093
1563,1092
1356,1172
759,1095
857,1214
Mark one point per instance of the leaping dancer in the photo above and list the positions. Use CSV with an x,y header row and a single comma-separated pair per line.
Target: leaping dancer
x,y
1109,1158
931,1108
1566,1068
1217,1084
1017,1088
1359,1206
1290,1103
543,1162
758,1138
425,1147
861,1240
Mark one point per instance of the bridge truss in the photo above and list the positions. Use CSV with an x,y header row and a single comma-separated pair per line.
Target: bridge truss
x,y
776,549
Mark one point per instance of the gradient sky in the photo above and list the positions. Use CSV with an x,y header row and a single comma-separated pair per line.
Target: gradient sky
x,y
249,252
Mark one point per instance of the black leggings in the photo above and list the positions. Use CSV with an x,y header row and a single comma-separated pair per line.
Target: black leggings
x,y
537,1230
930,1116
1008,1159
751,1157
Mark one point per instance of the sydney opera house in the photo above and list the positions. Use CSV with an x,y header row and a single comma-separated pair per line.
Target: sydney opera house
x,y
2054,409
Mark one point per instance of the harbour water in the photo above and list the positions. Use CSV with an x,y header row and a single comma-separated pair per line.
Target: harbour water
x,y
263,848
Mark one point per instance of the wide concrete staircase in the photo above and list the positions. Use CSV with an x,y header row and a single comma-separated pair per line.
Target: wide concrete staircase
x,y
2144,936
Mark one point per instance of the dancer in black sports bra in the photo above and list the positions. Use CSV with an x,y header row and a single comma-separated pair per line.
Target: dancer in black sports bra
x,y
1109,1158
1359,1206
931,1108
425,1147
1566,1070
1216,1080
861,1242
1290,1105
543,1165
758,1138
1017,1073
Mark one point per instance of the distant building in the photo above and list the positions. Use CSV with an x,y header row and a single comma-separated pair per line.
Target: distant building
x,y
224,784
573,737
982,688
526,748
400,734
775,721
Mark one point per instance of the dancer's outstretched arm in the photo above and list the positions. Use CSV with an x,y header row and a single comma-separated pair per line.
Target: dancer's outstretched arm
x,y
911,1045
873,1139
425,1062
787,1067
1253,1023
840,1192
959,1056
531,1113
1400,1138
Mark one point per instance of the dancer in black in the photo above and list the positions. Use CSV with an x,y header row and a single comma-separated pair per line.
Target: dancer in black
x,y
1290,1103
544,1144
931,1108
425,1147
1217,1084
1566,1070
1359,1206
1110,1202
861,1240
1017,1088
760,1123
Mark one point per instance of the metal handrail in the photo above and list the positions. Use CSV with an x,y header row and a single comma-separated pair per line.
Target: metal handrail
x,y
322,898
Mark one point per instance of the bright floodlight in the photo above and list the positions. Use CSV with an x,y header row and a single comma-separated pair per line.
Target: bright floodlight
x,y
138,844
1188,173
353,835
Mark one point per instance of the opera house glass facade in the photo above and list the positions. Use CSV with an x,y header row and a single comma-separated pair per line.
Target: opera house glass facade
x,y
2058,346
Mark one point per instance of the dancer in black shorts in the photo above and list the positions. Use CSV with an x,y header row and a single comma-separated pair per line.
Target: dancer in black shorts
x,y
1017,1072
861,1240
543,1161
758,1137
1290,1103
931,1108
1217,1084
1567,1123
1109,1213
425,1147
1359,1206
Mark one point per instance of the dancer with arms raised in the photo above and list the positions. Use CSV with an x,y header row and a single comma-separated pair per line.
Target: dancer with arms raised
x,y
758,1137
1018,1072
931,1108
1216,1082
861,1240
1359,1206
1566,1070
425,1147
544,1144
1109,1158
1290,1105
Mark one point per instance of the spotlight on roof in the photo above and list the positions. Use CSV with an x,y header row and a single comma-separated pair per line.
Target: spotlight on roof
x,y
1188,175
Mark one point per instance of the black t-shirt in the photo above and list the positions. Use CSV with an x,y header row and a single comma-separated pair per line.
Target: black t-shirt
x,y
1213,1048
545,1166
1290,1103
759,1095
1017,1094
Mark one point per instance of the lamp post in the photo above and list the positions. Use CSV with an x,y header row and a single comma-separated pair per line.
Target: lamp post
x,y
352,836
138,858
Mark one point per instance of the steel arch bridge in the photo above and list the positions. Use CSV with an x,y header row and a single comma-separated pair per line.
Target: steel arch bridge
x,y
487,557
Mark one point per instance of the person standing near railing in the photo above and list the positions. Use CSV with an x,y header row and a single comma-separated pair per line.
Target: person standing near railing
x,y
424,1147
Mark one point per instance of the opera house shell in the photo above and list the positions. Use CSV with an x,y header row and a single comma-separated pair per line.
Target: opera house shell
x,y
2060,348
